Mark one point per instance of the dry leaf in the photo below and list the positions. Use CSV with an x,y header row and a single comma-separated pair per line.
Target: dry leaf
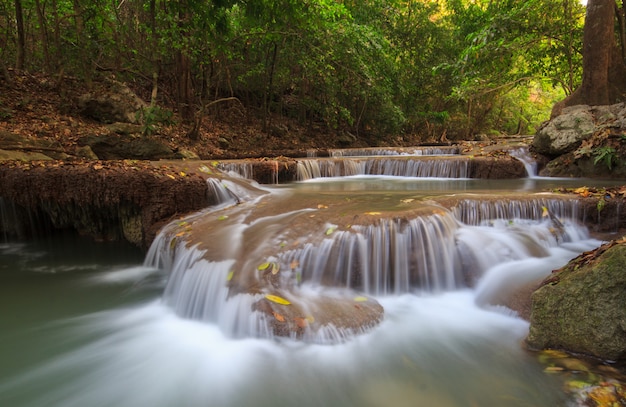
x,y
277,299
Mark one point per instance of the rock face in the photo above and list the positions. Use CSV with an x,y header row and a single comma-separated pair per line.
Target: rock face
x,y
582,307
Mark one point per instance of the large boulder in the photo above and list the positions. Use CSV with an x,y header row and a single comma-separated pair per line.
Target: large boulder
x,y
112,102
565,132
582,307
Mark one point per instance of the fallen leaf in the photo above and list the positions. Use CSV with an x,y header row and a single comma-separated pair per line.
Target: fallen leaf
x,y
230,275
223,217
330,230
373,213
171,176
263,266
321,206
360,299
277,299
294,264
275,268
278,317
301,322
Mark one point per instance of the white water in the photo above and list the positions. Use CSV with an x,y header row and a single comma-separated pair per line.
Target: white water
x,y
431,350
449,346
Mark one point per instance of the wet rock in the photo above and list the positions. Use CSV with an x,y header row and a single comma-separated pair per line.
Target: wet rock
x,y
582,308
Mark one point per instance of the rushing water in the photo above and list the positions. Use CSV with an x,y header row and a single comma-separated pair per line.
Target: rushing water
x,y
86,325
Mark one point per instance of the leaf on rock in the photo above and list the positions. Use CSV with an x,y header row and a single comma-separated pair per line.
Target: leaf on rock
x,y
330,230
301,322
275,268
277,299
263,266
223,217
278,317
230,275
360,299
373,213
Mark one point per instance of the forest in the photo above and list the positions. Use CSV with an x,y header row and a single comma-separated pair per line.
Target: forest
x,y
365,68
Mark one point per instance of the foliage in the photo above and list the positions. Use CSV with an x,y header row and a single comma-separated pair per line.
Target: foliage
x,y
605,154
373,68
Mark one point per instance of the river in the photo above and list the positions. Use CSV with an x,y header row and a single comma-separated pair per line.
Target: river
x,y
86,324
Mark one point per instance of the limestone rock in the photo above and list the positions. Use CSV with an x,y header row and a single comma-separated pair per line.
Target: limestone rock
x,y
114,102
582,307
565,132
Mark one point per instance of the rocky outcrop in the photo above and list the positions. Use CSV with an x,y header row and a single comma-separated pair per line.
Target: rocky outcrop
x,y
103,200
584,141
582,307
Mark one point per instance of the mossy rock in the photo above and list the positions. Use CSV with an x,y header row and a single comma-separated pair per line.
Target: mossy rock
x,y
582,307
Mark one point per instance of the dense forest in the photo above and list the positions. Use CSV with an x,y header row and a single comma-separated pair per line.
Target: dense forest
x,y
375,68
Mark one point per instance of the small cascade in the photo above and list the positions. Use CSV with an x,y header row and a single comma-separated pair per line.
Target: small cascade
x,y
399,167
242,169
220,194
523,155
392,257
436,250
483,211
393,151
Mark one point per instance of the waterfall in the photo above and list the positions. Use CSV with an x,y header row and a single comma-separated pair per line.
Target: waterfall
x,y
442,251
399,167
523,155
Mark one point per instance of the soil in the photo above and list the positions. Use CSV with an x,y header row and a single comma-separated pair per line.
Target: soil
x,y
46,109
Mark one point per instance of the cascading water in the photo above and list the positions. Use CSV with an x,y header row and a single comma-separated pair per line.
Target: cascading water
x,y
393,294
398,167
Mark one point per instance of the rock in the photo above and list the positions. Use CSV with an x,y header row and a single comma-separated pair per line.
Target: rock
x,y
114,102
125,128
582,307
565,132
8,155
85,152
116,147
187,154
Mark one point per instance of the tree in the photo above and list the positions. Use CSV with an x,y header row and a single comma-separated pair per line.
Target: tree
x,y
604,71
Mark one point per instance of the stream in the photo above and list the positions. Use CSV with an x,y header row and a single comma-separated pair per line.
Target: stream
x,y
88,324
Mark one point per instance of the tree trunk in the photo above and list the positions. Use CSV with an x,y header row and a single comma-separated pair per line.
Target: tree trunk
x,y
21,37
603,68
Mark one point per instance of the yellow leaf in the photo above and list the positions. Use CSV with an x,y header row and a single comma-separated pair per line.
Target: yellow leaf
x,y
545,213
223,217
321,206
171,176
309,319
263,266
230,275
330,230
360,299
182,174
275,268
373,213
277,299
